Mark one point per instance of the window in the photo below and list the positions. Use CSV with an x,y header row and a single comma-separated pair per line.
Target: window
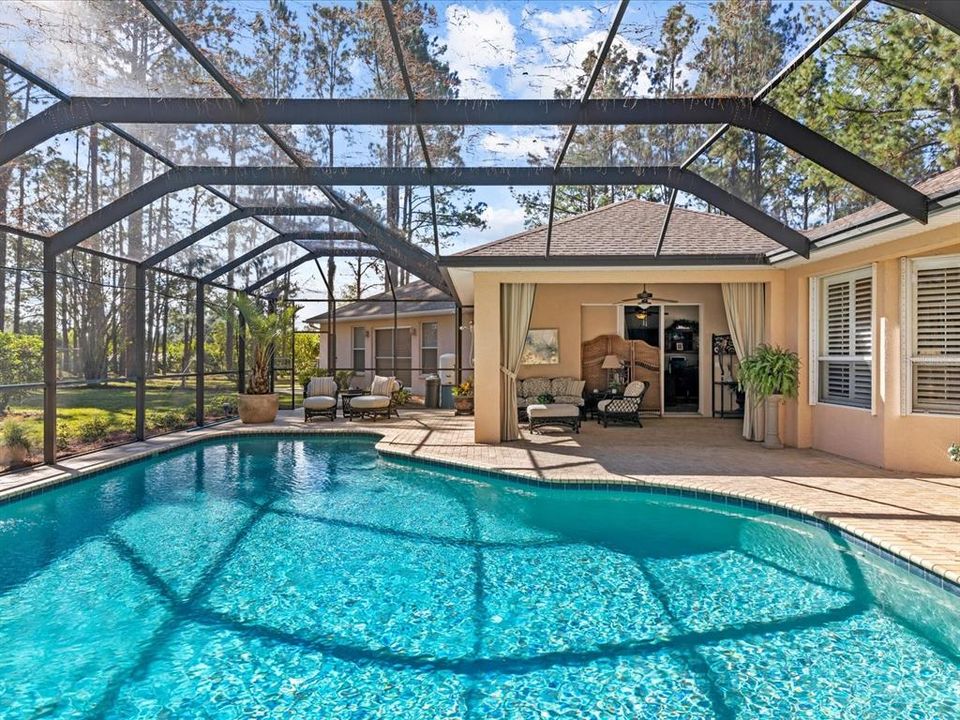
x,y
386,364
932,304
429,350
359,335
844,340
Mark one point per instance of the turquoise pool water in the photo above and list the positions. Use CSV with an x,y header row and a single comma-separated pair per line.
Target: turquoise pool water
x,y
309,578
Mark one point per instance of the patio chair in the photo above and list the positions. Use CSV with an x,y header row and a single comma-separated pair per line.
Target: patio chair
x,y
320,398
379,401
624,409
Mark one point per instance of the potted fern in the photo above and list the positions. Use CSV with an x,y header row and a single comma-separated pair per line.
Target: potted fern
x,y
770,374
264,330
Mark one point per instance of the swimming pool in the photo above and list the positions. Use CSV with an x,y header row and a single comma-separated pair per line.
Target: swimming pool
x,y
305,577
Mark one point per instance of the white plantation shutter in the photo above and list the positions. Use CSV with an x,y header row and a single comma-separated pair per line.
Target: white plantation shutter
x,y
935,353
845,348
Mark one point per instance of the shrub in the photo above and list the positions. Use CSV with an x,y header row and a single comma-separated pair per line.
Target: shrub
x,y
168,419
402,396
14,434
64,437
93,429
21,361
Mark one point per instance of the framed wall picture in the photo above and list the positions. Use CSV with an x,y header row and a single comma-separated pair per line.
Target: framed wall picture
x,y
542,347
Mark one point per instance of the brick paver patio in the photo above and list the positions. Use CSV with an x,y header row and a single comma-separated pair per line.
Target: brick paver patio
x,y
915,517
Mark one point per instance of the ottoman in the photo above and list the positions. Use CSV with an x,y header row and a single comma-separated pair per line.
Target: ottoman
x,y
557,414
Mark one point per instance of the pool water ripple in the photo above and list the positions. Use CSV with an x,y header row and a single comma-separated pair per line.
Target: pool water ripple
x,y
309,578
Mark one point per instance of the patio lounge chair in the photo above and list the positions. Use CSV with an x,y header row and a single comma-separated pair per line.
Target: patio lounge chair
x,y
623,409
320,398
380,400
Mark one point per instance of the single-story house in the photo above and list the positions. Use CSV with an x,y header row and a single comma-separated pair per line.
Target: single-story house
x,y
874,315
426,325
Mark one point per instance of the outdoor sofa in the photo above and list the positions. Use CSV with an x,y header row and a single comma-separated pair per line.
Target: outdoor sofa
x,y
565,391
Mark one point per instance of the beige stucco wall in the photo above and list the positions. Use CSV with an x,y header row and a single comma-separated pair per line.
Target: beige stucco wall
x,y
884,436
446,342
584,311
561,298
572,300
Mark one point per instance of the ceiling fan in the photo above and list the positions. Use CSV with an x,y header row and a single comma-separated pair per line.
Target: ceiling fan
x,y
644,299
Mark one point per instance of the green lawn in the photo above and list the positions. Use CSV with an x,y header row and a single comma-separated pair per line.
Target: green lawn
x,y
91,417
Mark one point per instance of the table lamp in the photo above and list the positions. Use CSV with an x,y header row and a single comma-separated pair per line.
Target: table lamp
x,y
610,362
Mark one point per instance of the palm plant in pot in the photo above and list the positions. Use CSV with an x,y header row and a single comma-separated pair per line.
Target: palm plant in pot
x,y
770,374
264,330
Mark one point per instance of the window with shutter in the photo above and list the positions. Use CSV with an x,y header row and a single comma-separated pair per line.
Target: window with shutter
x,y
359,336
429,348
845,342
934,371
388,363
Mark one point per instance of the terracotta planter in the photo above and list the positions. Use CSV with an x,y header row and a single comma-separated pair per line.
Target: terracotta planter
x,y
255,409
463,404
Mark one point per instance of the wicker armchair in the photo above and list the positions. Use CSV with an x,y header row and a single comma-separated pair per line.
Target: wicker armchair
x,y
381,400
320,398
624,409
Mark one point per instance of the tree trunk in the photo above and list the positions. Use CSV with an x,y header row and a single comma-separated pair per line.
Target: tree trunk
x,y
18,274
4,188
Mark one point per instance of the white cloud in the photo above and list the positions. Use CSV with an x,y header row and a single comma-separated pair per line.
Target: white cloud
x,y
478,43
567,18
502,221
517,146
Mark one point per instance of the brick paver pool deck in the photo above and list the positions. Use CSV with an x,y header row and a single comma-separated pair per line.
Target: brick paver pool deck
x,y
914,517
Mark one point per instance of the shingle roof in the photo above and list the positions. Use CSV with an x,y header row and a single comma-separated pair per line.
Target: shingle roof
x,y
632,227
938,186
423,298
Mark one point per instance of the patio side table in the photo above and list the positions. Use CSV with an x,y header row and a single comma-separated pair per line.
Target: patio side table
x,y
346,397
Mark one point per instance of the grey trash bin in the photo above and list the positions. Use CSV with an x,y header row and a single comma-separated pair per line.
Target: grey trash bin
x,y
431,396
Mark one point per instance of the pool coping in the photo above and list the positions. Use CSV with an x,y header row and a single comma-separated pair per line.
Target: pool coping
x,y
931,573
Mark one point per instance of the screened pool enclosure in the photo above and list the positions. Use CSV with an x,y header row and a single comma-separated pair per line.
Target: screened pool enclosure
x,y
160,156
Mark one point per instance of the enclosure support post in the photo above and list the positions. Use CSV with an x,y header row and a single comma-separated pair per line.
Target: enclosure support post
x,y
201,336
331,322
241,352
458,350
293,360
272,309
49,355
139,346
393,344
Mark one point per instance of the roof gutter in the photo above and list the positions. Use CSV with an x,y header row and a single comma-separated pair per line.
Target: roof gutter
x,y
616,261
887,221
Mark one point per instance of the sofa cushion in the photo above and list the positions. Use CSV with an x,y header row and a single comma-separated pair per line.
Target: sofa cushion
x,y
319,402
569,400
321,386
553,410
370,402
560,385
381,385
533,387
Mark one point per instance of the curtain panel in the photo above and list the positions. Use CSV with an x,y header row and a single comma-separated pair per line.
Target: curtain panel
x,y
516,309
745,306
